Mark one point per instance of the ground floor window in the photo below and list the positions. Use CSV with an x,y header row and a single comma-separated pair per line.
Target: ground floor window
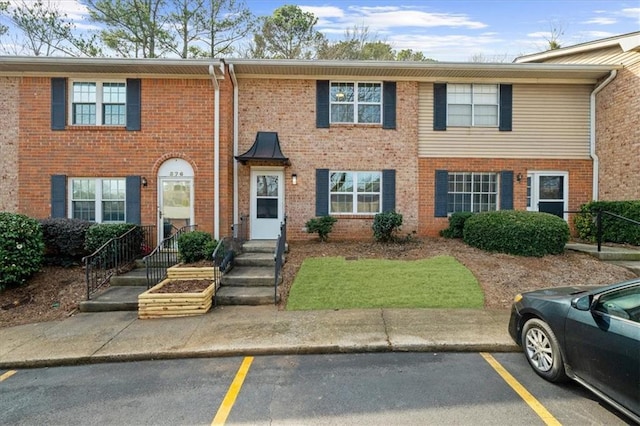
x,y
97,200
472,192
355,192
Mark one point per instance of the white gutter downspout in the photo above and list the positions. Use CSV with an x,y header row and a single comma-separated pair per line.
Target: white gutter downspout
x,y
236,218
216,152
592,134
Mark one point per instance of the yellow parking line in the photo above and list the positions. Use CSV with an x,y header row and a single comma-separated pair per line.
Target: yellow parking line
x,y
539,409
6,375
232,393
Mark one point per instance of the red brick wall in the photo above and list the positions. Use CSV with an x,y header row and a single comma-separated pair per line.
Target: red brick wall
x,y
580,182
618,136
177,121
9,122
289,108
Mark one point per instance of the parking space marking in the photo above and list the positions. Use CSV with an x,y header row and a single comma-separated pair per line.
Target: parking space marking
x,y
232,393
6,375
538,408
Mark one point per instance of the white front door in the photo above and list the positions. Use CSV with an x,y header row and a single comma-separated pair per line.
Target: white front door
x,y
548,192
267,203
175,197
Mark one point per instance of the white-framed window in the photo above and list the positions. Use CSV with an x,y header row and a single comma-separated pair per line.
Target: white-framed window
x,y
355,192
472,105
356,102
472,192
97,199
98,103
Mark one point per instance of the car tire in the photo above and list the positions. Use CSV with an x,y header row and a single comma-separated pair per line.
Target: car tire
x,y
542,350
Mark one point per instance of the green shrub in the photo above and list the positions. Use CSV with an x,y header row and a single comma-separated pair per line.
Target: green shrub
x,y
322,225
21,249
517,232
386,225
194,246
64,240
614,230
456,225
97,235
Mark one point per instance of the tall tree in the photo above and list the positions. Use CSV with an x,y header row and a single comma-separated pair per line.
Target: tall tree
x,y
44,30
410,55
288,34
4,6
133,28
208,28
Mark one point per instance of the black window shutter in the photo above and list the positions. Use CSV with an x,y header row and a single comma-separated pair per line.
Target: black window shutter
x,y
506,190
439,106
322,103
506,107
134,103
388,190
322,192
389,105
58,196
442,193
132,203
58,103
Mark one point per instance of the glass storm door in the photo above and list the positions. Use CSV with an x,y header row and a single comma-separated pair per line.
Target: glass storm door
x,y
176,205
548,192
267,203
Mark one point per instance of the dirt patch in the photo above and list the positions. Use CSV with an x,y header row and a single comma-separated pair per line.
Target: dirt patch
x,y
184,286
54,293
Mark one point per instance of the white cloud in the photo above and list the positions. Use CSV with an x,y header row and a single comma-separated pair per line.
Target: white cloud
x,y
324,11
601,21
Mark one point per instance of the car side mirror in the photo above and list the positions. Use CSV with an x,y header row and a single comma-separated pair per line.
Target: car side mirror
x,y
583,303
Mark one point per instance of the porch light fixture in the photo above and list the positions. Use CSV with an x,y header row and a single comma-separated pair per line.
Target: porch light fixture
x,y
144,182
294,179
519,177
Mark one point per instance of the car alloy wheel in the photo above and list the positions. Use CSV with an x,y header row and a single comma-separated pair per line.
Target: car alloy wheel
x,y
542,350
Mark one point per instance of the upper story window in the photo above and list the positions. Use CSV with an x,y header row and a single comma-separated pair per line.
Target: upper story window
x,y
472,105
98,103
472,192
354,102
97,200
355,192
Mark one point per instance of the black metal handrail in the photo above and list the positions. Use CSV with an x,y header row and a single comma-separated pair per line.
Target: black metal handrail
x,y
279,257
599,215
164,256
113,257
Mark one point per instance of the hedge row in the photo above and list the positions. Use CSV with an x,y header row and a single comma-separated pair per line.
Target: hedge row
x,y
614,229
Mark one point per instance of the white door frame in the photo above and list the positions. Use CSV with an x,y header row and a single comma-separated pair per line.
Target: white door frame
x,y
533,183
266,229
174,170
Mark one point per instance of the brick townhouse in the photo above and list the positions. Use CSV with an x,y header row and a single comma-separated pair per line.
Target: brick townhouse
x,y
177,142
617,112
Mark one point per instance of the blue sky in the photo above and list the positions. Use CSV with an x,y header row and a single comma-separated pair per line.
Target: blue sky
x,y
452,30
455,30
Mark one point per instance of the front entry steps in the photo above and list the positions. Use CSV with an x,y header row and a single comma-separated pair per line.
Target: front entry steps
x,y
122,294
252,279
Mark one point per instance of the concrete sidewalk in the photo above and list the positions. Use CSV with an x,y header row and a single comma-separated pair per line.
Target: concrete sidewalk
x,y
251,330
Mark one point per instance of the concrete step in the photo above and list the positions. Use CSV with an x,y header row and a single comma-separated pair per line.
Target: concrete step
x,y
255,259
606,253
259,246
245,296
249,276
135,277
114,299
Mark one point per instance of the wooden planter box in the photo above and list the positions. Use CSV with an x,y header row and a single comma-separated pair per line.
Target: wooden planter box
x,y
152,304
183,272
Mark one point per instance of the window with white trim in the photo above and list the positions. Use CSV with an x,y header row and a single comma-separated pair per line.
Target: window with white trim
x,y
98,103
356,102
472,192
472,105
355,192
97,200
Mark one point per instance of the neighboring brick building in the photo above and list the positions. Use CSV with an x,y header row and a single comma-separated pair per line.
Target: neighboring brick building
x,y
209,142
9,123
617,112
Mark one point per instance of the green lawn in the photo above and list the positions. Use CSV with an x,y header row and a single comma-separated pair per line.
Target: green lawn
x,y
336,283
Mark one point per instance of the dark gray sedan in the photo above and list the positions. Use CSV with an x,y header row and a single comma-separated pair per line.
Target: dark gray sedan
x,y
590,334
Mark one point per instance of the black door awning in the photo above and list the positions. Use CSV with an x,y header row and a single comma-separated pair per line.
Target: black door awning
x,y
265,148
